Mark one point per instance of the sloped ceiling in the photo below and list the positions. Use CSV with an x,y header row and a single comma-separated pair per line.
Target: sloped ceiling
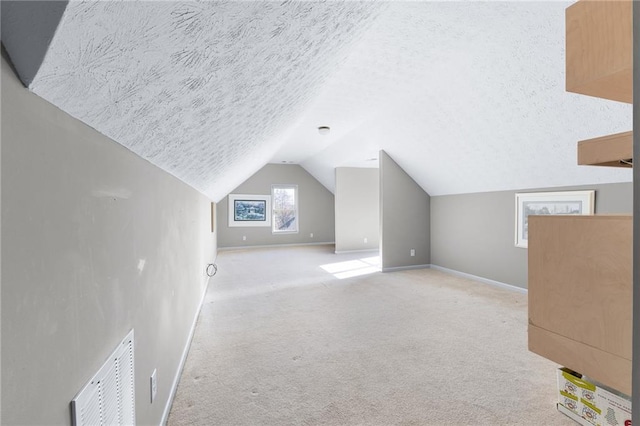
x,y
466,97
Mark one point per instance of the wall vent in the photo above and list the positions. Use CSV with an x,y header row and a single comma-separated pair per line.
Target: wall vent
x,y
109,397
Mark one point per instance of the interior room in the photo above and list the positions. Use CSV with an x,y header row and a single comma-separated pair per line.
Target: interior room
x,y
228,212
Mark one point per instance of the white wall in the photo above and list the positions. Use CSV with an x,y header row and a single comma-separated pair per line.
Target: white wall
x,y
357,209
96,242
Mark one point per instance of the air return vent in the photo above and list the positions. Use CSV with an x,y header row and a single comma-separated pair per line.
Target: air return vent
x,y
109,397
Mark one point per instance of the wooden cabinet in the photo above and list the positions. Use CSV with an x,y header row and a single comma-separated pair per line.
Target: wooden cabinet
x,y
580,267
599,49
613,150
599,62
580,294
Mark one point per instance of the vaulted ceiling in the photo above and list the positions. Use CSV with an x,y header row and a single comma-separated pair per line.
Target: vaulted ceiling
x,y
465,96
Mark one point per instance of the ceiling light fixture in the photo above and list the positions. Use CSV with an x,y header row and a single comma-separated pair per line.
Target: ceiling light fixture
x,y
324,130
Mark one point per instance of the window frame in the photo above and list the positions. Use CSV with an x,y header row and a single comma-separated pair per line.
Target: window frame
x,y
274,231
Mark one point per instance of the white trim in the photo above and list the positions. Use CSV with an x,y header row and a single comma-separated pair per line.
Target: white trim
x,y
183,359
356,251
481,279
406,268
273,208
276,246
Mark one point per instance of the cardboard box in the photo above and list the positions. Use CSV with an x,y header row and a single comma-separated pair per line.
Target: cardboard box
x,y
573,391
573,416
616,409
591,404
590,412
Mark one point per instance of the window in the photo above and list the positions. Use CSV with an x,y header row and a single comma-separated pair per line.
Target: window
x,y
285,208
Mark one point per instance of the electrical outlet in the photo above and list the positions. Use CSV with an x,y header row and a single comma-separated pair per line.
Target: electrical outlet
x,y
366,240
153,385
413,252
311,235
244,238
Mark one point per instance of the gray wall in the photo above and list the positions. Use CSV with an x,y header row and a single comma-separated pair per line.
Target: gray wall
x,y
315,209
357,209
1,247
404,214
27,30
474,233
100,241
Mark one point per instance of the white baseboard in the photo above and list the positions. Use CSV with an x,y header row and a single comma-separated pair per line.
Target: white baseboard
x,y
183,359
481,279
406,268
357,251
326,243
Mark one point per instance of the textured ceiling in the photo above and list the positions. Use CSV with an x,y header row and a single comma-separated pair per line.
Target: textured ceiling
x,y
467,97
204,90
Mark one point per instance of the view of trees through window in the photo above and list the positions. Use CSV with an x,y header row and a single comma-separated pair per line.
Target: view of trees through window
x,y
285,208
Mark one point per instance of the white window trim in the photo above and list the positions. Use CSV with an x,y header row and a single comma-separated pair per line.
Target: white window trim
x,y
295,187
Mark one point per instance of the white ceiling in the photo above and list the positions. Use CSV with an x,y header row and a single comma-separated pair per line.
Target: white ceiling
x,y
465,96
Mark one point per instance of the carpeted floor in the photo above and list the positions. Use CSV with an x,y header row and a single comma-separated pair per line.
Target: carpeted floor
x,y
282,341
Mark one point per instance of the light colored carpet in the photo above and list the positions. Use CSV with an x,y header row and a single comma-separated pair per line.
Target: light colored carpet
x,y
282,341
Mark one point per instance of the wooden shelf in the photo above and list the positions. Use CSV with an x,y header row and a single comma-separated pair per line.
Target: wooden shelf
x,y
599,49
580,294
613,150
